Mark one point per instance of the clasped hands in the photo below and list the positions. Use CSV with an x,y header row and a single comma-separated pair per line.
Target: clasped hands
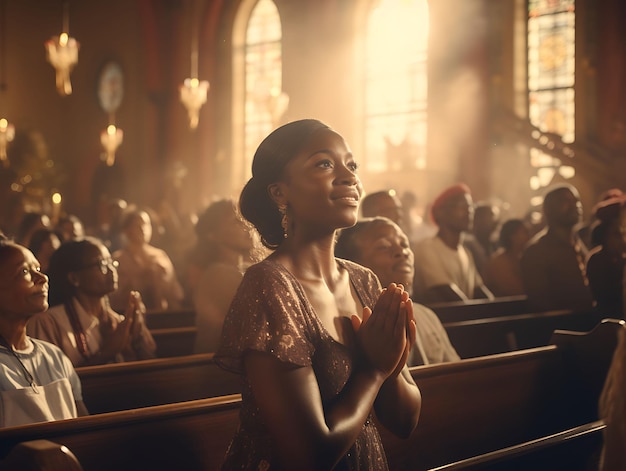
x,y
387,333
119,337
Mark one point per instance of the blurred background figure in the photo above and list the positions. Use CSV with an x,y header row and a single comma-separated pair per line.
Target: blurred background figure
x,y
503,272
109,222
43,243
70,227
605,263
480,240
383,203
31,222
144,267
417,227
553,263
220,258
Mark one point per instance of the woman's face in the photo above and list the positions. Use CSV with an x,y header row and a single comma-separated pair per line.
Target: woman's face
x,y
321,187
98,275
23,288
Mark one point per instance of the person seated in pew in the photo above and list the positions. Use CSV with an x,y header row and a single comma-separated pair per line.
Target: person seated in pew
x,y
503,272
144,267
81,321
318,343
225,255
37,381
380,245
444,268
553,262
606,261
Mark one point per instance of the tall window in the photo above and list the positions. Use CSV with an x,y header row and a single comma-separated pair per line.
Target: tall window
x,y
551,54
396,85
263,75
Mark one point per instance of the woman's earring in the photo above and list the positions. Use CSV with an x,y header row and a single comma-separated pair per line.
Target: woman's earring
x,y
284,221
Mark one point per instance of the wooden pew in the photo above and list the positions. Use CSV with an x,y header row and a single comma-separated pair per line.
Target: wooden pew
x,y
168,318
481,405
186,436
122,386
470,408
456,311
491,335
174,341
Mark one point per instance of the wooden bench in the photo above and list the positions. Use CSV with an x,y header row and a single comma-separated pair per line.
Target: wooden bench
x,y
470,408
122,386
174,341
485,404
186,436
480,308
491,335
168,318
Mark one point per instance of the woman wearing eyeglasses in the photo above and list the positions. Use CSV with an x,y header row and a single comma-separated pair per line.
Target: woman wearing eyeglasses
x,y
81,321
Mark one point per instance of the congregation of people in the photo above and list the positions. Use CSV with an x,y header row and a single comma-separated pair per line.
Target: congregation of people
x,y
75,295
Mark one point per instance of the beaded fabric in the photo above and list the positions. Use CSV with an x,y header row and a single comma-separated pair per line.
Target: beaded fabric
x,y
270,313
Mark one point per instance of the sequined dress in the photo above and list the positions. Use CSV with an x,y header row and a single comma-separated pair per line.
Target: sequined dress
x,y
272,314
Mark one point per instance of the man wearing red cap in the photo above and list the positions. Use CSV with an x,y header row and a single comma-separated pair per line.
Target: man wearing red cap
x,y
444,268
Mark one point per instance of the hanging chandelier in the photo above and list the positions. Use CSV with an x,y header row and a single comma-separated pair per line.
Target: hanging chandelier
x,y
7,133
111,138
62,53
193,92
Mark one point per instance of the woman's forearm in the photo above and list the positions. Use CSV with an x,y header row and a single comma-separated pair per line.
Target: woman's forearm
x,y
398,404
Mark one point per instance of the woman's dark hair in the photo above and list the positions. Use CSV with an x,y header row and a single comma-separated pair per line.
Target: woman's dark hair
x,y
270,160
508,230
40,237
68,258
211,217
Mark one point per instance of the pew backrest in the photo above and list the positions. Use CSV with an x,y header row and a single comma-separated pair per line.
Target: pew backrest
x,y
174,341
491,335
480,308
187,436
122,386
169,318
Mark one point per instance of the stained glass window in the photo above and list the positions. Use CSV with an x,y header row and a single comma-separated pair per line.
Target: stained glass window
x,y
263,72
551,73
396,85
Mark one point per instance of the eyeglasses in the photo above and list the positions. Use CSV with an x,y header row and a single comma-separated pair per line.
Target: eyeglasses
x,y
105,265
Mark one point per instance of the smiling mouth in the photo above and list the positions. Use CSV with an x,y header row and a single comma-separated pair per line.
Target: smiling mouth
x,y
348,199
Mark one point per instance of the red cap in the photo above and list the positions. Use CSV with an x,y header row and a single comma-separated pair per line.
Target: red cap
x,y
445,195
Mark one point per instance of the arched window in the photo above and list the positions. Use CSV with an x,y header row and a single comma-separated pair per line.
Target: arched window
x,y
396,85
257,75
551,69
